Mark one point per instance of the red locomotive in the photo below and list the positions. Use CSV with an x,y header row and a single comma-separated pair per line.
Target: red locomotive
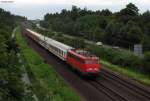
x,y
81,60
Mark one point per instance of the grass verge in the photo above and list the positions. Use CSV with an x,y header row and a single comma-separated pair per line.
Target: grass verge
x,y
143,78
46,84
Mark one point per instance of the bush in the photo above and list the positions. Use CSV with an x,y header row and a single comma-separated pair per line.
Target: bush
x,y
123,59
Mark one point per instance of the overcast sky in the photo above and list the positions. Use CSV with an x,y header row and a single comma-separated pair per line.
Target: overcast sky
x,y
36,9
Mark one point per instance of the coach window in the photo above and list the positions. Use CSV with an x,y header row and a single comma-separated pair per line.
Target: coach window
x,y
54,48
63,53
49,46
60,52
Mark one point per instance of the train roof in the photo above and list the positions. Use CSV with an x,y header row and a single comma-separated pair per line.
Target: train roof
x,y
52,42
58,44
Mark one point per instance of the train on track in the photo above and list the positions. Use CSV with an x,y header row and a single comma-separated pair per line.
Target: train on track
x,y
81,60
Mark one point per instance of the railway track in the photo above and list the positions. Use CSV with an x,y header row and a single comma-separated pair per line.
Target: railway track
x,y
108,87
130,89
113,95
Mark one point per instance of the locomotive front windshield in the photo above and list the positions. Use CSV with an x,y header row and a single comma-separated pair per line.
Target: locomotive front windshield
x,y
92,61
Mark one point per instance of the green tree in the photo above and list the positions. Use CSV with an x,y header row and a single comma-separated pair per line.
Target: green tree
x,y
106,12
74,12
128,13
130,9
11,87
112,33
134,35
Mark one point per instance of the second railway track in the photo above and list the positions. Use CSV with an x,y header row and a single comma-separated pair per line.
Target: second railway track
x,y
133,86
113,95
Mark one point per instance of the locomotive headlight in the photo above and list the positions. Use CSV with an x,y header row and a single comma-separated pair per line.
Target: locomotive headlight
x,y
95,69
89,69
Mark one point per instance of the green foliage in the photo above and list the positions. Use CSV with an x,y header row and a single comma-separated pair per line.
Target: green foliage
x,y
137,75
74,12
112,33
11,86
135,35
106,12
78,43
128,13
130,10
123,35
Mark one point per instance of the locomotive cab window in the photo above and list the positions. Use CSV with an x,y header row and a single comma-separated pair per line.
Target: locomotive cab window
x,y
91,61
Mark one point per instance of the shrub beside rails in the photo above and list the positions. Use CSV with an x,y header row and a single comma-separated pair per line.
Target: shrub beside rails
x,y
83,61
123,59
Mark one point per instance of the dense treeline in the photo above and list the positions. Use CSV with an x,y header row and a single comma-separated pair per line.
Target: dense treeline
x,y
11,87
124,28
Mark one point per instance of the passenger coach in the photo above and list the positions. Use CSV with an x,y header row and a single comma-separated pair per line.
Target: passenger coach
x,y
55,47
